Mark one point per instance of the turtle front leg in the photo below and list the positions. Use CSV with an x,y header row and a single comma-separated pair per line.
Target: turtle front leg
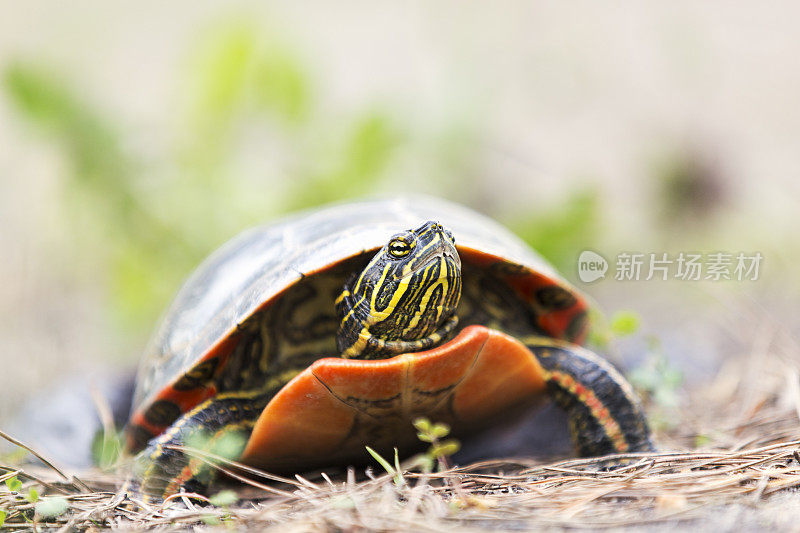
x,y
605,416
221,425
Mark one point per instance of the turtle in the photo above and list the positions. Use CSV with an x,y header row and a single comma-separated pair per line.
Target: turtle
x,y
297,344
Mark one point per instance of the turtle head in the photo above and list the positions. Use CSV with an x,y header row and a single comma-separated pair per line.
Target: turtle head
x,y
405,298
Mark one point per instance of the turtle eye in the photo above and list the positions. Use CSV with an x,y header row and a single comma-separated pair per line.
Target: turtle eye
x,y
399,248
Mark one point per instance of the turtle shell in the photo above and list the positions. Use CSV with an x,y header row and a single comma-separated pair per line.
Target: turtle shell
x,y
258,268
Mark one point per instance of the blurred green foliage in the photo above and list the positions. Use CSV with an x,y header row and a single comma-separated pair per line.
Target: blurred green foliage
x,y
149,214
238,73
151,220
660,383
604,330
624,323
561,231
107,446
101,192
364,153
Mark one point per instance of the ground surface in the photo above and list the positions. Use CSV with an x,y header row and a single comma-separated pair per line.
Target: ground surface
x,y
735,466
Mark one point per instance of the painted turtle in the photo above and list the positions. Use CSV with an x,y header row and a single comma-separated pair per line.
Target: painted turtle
x,y
297,344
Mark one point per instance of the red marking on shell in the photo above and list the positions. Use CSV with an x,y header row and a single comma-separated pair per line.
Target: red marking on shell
x,y
555,322
184,399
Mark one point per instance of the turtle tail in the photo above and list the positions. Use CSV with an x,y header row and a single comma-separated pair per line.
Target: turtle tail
x,y
605,416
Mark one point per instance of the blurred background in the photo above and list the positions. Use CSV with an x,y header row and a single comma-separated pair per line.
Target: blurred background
x,y
135,141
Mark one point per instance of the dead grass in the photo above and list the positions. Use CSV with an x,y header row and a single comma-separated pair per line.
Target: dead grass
x,y
746,471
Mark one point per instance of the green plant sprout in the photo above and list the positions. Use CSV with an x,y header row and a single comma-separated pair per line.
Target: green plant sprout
x,y
395,471
14,484
656,379
659,382
44,507
440,450
604,331
625,323
224,498
437,454
106,447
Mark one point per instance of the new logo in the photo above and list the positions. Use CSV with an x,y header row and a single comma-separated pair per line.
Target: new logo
x,y
591,266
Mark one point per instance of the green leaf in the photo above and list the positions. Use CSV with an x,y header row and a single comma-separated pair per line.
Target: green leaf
x,y
599,332
624,323
423,424
14,484
224,498
360,159
383,462
89,141
424,437
397,462
446,448
106,448
439,430
51,507
33,496
39,95
2,518
396,473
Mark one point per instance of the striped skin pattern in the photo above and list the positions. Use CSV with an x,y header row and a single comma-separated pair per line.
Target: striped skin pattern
x,y
405,299
162,469
605,416
220,425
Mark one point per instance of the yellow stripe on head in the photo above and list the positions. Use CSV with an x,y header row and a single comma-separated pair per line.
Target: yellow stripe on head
x,y
407,292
